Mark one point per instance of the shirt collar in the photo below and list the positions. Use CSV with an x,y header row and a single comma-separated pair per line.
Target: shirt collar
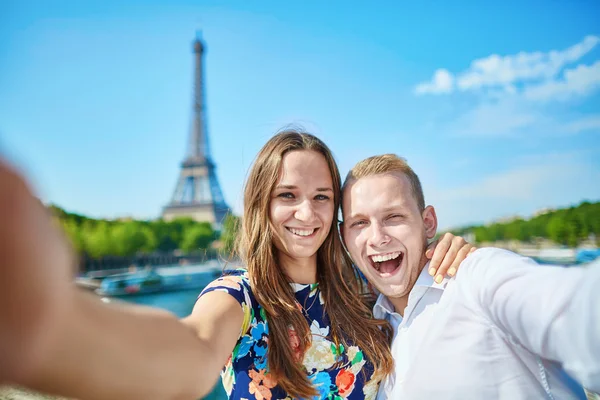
x,y
383,307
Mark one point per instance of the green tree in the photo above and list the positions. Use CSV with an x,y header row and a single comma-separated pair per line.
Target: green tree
x,y
178,228
566,226
198,236
98,240
74,234
229,235
513,229
557,229
482,235
167,237
132,237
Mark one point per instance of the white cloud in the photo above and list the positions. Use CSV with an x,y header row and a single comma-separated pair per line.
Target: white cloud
x,y
590,123
500,118
516,184
502,71
497,71
512,116
515,91
442,82
550,180
578,81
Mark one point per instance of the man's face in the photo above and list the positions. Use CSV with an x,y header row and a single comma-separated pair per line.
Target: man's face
x,y
385,232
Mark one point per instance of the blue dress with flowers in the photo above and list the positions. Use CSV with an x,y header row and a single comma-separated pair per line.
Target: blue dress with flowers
x,y
337,373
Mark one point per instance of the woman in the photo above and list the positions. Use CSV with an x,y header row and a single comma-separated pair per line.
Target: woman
x,y
256,323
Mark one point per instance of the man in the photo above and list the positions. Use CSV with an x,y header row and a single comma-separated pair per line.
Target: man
x,y
502,328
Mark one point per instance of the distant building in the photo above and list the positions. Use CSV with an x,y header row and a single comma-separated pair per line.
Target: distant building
x,y
198,194
543,211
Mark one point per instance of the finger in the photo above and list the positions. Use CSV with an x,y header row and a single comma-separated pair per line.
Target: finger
x,y
473,249
430,249
460,257
457,244
438,254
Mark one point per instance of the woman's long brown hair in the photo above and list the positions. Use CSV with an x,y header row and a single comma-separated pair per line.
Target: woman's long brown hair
x,y
337,277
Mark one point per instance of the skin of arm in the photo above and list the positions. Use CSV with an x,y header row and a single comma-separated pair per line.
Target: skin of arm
x,y
120,351
57,339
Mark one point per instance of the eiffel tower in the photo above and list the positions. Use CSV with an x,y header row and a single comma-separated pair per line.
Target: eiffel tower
x,y
198,194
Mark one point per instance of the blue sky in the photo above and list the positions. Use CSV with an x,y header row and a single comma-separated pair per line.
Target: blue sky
x,y
497,107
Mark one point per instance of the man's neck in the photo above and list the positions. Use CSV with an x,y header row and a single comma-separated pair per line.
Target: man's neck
x,y
400,303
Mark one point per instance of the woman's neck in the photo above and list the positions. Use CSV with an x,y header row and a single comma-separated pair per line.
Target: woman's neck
x,y
299,270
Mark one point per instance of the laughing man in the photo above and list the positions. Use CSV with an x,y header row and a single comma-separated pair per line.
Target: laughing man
x,y
503,328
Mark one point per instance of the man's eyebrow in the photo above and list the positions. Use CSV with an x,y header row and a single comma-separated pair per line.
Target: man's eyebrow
x,y
355,216
395,207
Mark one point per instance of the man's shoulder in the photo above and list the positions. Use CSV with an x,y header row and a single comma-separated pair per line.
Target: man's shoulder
x,y
489,261
492,255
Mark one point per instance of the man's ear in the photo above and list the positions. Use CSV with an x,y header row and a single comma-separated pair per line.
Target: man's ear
x,y
430,221
343,239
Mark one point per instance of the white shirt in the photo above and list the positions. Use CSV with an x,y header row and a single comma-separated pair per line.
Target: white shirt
x,y
500,330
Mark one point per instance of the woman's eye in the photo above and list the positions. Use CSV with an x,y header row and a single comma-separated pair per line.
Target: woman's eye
x,y
286,195
357,223
321,197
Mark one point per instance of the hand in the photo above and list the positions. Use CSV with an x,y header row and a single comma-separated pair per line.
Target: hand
x,y
446,254
35,277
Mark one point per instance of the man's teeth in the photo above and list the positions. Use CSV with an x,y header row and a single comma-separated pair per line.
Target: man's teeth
x,y
385,257
301,232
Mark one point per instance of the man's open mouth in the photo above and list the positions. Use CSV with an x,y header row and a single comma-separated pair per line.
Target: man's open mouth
x,y
387,263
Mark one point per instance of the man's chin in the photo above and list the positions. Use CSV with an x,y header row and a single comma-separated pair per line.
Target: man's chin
x,y
392,290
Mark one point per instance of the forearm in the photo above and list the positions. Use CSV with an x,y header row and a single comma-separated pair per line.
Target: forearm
x,y
554,312
577,332
107,352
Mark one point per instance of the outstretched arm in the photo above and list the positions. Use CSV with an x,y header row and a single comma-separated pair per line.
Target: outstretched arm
x,y
552,311
56,339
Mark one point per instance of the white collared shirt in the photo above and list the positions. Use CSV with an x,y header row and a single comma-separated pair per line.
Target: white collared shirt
x,y
504,328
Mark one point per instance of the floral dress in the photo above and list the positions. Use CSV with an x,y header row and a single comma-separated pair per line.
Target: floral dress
x,y
246,376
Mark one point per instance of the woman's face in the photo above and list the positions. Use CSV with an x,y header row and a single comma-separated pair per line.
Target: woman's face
x,y
302,205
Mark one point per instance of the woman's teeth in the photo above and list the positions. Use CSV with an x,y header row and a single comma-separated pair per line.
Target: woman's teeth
x,y
301,232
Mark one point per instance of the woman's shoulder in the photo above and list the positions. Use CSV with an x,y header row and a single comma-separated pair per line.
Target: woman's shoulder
x,y
232,281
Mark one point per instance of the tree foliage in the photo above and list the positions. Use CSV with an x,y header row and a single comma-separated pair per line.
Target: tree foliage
x,y
99,238
568,226
197,237
231,227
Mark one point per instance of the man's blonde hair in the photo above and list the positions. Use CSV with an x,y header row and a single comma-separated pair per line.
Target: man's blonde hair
x,y
385,164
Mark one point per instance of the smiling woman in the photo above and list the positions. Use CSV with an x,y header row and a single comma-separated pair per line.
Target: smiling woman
x,y
299,284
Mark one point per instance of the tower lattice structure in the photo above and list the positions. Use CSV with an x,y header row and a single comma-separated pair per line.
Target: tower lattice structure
x,y
198,194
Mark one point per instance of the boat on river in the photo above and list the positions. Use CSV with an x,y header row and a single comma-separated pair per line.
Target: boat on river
x,y
160,279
